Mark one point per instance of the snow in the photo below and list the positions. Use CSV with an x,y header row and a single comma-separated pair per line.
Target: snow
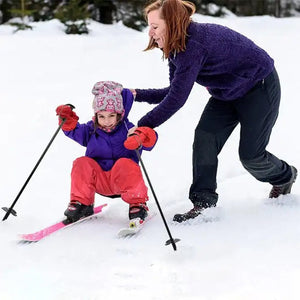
x,y
249,251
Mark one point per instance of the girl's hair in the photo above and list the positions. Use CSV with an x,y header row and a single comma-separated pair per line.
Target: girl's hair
x,y
177,15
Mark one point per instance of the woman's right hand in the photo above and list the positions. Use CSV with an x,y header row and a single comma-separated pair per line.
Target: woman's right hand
x,y
133,91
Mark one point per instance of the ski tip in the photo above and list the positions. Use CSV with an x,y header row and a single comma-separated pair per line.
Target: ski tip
x,y
27,239
26,242
127,232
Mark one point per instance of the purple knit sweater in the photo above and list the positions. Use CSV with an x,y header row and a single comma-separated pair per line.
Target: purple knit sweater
x,y
227,63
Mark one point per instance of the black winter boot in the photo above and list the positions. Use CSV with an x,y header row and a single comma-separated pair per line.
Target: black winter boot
x,y
138,210
191,214
77,210
284,189
201,201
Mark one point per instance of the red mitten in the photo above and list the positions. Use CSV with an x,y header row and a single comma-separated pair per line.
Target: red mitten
x,y
142,136
66,112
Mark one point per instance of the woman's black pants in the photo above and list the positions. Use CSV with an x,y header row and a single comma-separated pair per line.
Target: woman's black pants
x,y
256,113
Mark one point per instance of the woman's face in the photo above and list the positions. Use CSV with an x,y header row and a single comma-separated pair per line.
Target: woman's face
x,y
107,120
157,29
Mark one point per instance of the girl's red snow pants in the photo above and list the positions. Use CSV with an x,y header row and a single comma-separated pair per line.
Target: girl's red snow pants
x,y
125,179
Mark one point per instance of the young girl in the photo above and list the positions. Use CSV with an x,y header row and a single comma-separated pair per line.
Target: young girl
x,y
110,166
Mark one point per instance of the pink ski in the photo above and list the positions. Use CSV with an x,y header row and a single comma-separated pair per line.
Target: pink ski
x,y
37,236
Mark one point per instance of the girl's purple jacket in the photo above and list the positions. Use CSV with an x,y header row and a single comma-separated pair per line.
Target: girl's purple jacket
x,y
224,61
106,147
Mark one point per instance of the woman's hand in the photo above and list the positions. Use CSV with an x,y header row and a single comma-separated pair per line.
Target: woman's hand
x,y
133,91
142,136
131,130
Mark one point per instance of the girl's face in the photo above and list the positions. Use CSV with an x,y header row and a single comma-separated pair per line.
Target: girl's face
x,y
107,120
157,29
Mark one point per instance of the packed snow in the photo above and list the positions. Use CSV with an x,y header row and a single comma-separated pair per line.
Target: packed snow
x,y
248,247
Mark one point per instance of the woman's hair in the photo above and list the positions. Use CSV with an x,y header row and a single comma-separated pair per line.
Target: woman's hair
x,y
177,15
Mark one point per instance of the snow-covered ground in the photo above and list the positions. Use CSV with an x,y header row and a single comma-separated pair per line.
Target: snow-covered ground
x,y
252,251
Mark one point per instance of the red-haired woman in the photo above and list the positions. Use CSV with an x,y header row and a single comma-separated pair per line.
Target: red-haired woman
x,y
244,88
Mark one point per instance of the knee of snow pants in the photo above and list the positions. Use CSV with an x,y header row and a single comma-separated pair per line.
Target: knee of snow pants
x,y
268,168
127,180
86,176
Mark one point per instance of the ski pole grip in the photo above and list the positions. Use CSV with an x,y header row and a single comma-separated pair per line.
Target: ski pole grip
x,y
71,105
65,119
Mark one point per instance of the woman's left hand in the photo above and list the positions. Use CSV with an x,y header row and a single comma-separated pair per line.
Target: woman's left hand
x,y
142,136
131,130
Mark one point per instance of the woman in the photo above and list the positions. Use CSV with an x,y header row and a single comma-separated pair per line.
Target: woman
x,y
109,166
244,88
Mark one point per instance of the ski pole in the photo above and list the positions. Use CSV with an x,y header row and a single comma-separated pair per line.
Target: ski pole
x,y
10,210
171,240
